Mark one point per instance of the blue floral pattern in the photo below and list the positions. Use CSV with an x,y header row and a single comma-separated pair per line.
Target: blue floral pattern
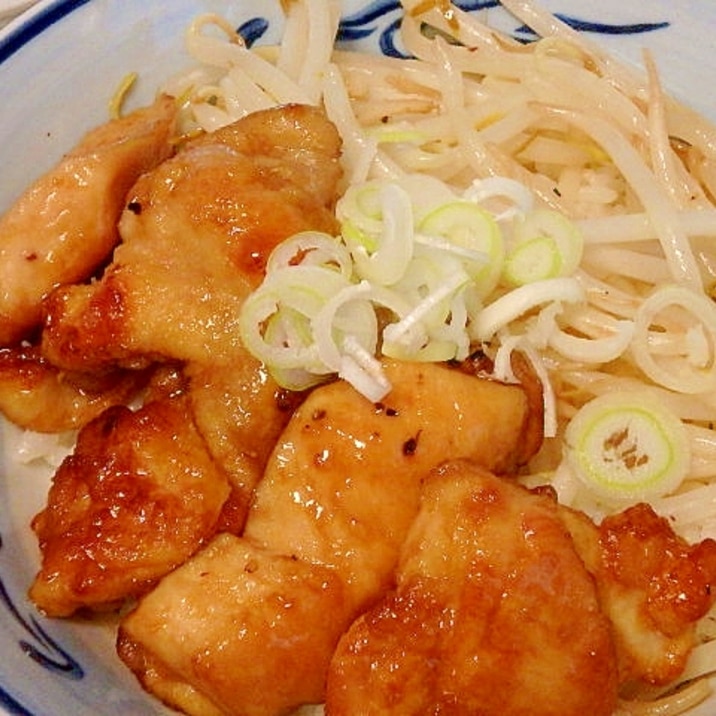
x,y
42,648
38,645
382,18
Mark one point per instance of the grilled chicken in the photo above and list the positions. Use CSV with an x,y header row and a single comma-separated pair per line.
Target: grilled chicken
x,y
494,613
139,495
653,586
65,224
240,411
237,630
509,604
37,396
343,484
339,494
358,569
195,237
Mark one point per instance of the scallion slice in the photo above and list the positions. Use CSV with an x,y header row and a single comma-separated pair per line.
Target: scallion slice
x,y
627,447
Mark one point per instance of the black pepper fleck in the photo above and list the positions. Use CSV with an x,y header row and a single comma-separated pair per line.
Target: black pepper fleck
x,y
135,207
382,408
411,445
287,400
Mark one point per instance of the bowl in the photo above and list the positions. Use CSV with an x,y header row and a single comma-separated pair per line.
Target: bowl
x,y
59,64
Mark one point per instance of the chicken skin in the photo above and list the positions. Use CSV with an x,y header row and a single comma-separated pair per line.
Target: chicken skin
x,y
494,613
196,233
65,224
138,496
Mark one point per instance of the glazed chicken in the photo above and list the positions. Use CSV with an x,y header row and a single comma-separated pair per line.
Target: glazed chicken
x,y
494,613
77,205
36,395
138,496
508,604
143,490
240,411
445,590
286,549
65,224
196,233
652,585
221,635
343,483
338,496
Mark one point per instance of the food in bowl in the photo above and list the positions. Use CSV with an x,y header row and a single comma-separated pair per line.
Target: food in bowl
x,y
473,266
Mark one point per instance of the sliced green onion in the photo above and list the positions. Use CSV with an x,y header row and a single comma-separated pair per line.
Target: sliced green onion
x,y
518,196
475,236
311,248
593,350
512,305
426,192
363,371
531,261
360,213
359,321
381,248
694,371
628,447
296,379
546,245
426,273
275,319
414,334
423,257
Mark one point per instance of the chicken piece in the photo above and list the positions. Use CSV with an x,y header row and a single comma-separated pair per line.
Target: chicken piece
x,y
653,586
195,237
138,496
480,365
240,411
168,380
218,636
343,485
494,614
65,224
37,396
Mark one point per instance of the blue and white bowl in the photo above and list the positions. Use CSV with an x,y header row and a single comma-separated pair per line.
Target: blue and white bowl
x,y
59,64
